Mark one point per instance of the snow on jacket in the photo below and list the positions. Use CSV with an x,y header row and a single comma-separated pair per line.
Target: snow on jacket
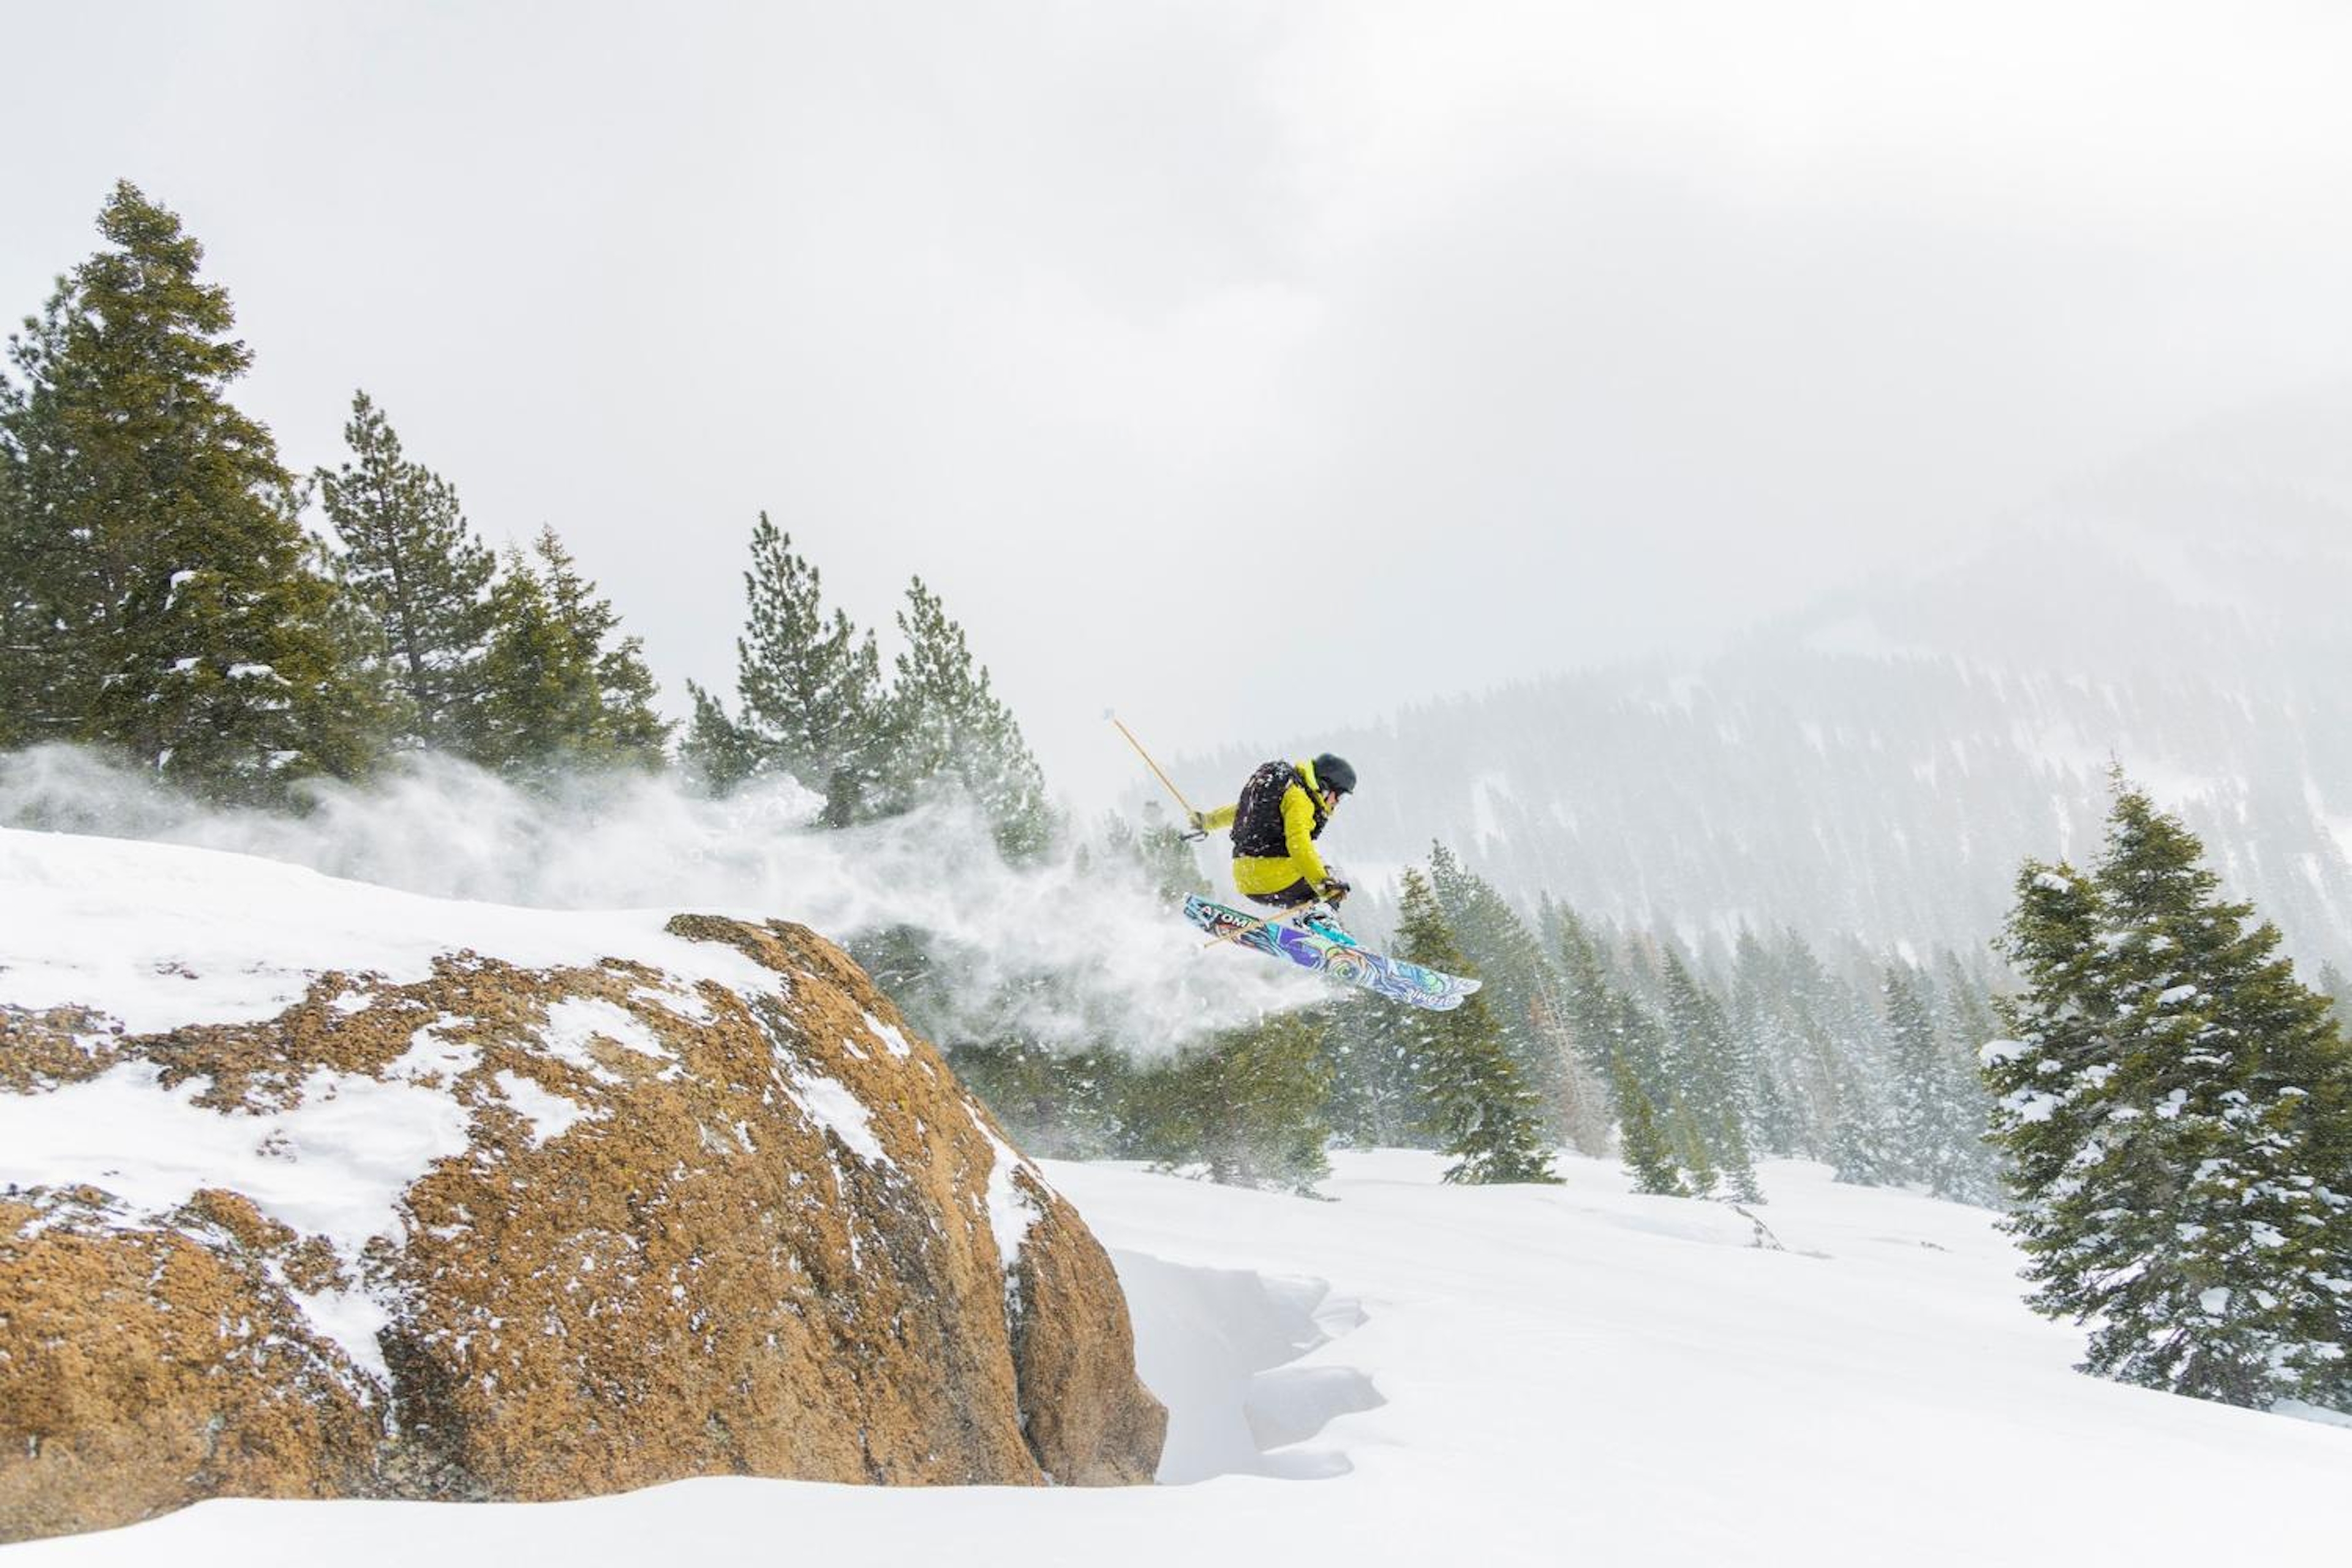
x,y
1276,824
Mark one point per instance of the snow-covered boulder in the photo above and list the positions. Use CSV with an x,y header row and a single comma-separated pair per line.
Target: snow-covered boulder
x,y
314,1189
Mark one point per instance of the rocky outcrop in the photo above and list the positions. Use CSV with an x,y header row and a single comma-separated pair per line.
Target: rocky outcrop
x,y
536,1233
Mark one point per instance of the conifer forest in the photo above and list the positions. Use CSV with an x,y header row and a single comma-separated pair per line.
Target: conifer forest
x,y
2081,1016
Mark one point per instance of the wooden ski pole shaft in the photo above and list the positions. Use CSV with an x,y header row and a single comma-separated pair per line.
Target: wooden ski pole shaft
x,y
1255,924
1235,933
1189,813
1222,937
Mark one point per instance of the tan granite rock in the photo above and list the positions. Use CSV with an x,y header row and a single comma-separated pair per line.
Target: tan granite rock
x,y
692,1229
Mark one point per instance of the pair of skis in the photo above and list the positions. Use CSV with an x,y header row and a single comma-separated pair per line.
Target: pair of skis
x,y
1329,950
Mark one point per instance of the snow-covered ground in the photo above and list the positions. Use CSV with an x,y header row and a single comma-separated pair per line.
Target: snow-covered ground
x,y
1410,1374
1416,1373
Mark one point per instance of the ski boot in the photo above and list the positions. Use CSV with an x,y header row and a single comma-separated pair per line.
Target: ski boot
x,y
1321,919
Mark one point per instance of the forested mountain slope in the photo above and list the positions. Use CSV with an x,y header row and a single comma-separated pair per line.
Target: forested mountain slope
x,y
1878,765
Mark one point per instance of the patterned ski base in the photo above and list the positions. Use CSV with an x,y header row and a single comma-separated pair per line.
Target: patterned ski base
x,y
1342,959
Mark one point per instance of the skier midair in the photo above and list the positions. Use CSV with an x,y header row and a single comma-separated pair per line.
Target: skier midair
x,y
1283,809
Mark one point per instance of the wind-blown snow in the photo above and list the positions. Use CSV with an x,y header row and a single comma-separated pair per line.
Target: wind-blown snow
x,y
1120,966
1505,1376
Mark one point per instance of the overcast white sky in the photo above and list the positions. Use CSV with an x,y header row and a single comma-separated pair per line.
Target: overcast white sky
x,y
1246,367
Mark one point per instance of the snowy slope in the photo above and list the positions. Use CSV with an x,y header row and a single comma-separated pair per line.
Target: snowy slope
x,y
1505,1376
157,935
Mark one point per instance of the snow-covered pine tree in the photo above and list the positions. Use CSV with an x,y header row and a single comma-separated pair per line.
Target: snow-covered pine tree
x,y
1376,1094
1965,1166
1758,1016
810,687
1647,1152
1587,1000
1711,1076
1863,1141
716,755
560,694
1848,1037
1522,989
163,600
1249,1105
1937,1110
410,556
1616,1034
1808,1066
946,721
2048,1077
1156,853
1917,1112
1061,1104
1481,1111
2180,1109
1978,1159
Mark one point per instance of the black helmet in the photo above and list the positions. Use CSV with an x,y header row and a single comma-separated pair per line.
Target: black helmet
x,y
1333,773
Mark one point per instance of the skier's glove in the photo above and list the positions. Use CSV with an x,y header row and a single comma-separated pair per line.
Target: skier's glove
x,y
1333,890
1200,825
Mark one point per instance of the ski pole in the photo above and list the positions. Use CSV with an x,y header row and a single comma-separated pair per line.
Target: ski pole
x,y
1189,813
1249,923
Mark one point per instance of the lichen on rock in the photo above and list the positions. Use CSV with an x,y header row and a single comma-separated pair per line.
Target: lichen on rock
x,y
529,1233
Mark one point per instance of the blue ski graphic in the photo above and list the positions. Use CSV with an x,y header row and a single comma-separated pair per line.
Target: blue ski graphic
x,y
1335,955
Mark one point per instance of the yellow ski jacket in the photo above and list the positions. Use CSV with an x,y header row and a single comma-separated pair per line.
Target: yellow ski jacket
x,y
1302,818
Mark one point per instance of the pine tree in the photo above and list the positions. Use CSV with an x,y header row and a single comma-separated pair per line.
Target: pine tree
x,y
1967,1022
1711,1078
2180,1109
1927,1127
31,658
1692,1149
1522,989
810,687
1061,1105
1938,1112
1769,1042
410,556
1649,1157
1804,1050
1249,1105
163,600
717,756
946,723
1376,1098
1616,1033
1863,1141
560,695
1481,1111
1166,856
1588,1111
2336,986
1589,1002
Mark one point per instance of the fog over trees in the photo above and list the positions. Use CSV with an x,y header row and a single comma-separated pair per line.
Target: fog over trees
x,y
1876,768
